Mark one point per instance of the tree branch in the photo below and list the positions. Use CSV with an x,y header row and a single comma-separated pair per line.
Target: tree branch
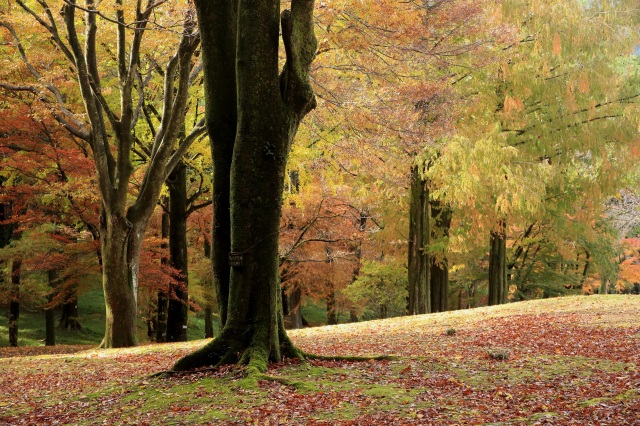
x,y
300,46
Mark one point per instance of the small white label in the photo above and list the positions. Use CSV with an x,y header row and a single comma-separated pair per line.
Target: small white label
x,y
184,326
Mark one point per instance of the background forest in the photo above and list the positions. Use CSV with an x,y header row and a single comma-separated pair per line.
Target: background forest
x,y
462,153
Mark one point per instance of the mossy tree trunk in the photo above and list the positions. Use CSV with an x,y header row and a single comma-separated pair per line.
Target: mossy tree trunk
x,y
498,285
419,234
269,109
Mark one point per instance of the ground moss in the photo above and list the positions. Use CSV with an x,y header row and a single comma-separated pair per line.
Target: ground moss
x,y
628,395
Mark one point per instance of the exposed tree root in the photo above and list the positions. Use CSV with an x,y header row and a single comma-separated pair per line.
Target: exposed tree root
x,y
254,349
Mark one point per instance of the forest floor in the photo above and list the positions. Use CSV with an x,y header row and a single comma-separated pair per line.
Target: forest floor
x,y
567,361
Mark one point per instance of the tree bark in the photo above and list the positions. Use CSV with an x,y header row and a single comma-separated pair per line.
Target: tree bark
x,y
419,234
221,112
122,224
270,108
498,286
440,269
120,255
178,309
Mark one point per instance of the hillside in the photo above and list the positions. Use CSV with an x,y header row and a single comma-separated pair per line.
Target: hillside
x,y
569,361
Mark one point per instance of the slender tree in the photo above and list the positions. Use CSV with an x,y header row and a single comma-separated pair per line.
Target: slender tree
x,y
110,133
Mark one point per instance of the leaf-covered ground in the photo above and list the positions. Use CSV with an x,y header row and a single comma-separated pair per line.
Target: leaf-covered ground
x,y
569,361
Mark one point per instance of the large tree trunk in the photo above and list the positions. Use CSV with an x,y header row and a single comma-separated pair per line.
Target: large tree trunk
x,y
120,256
439,267
178,309
219,57
498,286
269,108
419,268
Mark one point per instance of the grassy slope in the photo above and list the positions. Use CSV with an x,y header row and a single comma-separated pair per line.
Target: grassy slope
x,y
32,326
570,361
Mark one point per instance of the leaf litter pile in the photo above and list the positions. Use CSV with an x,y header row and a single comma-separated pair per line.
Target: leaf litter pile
x,y
568,361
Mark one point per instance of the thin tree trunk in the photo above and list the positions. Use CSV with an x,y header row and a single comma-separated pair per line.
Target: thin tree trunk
x,y
293,317
49,313
332,318
208,310
471,294
498,286
585,270
6,235
14,304
163,294
178,310
362,225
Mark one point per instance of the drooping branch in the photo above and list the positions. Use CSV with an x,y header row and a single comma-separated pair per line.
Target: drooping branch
x,y
596,107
